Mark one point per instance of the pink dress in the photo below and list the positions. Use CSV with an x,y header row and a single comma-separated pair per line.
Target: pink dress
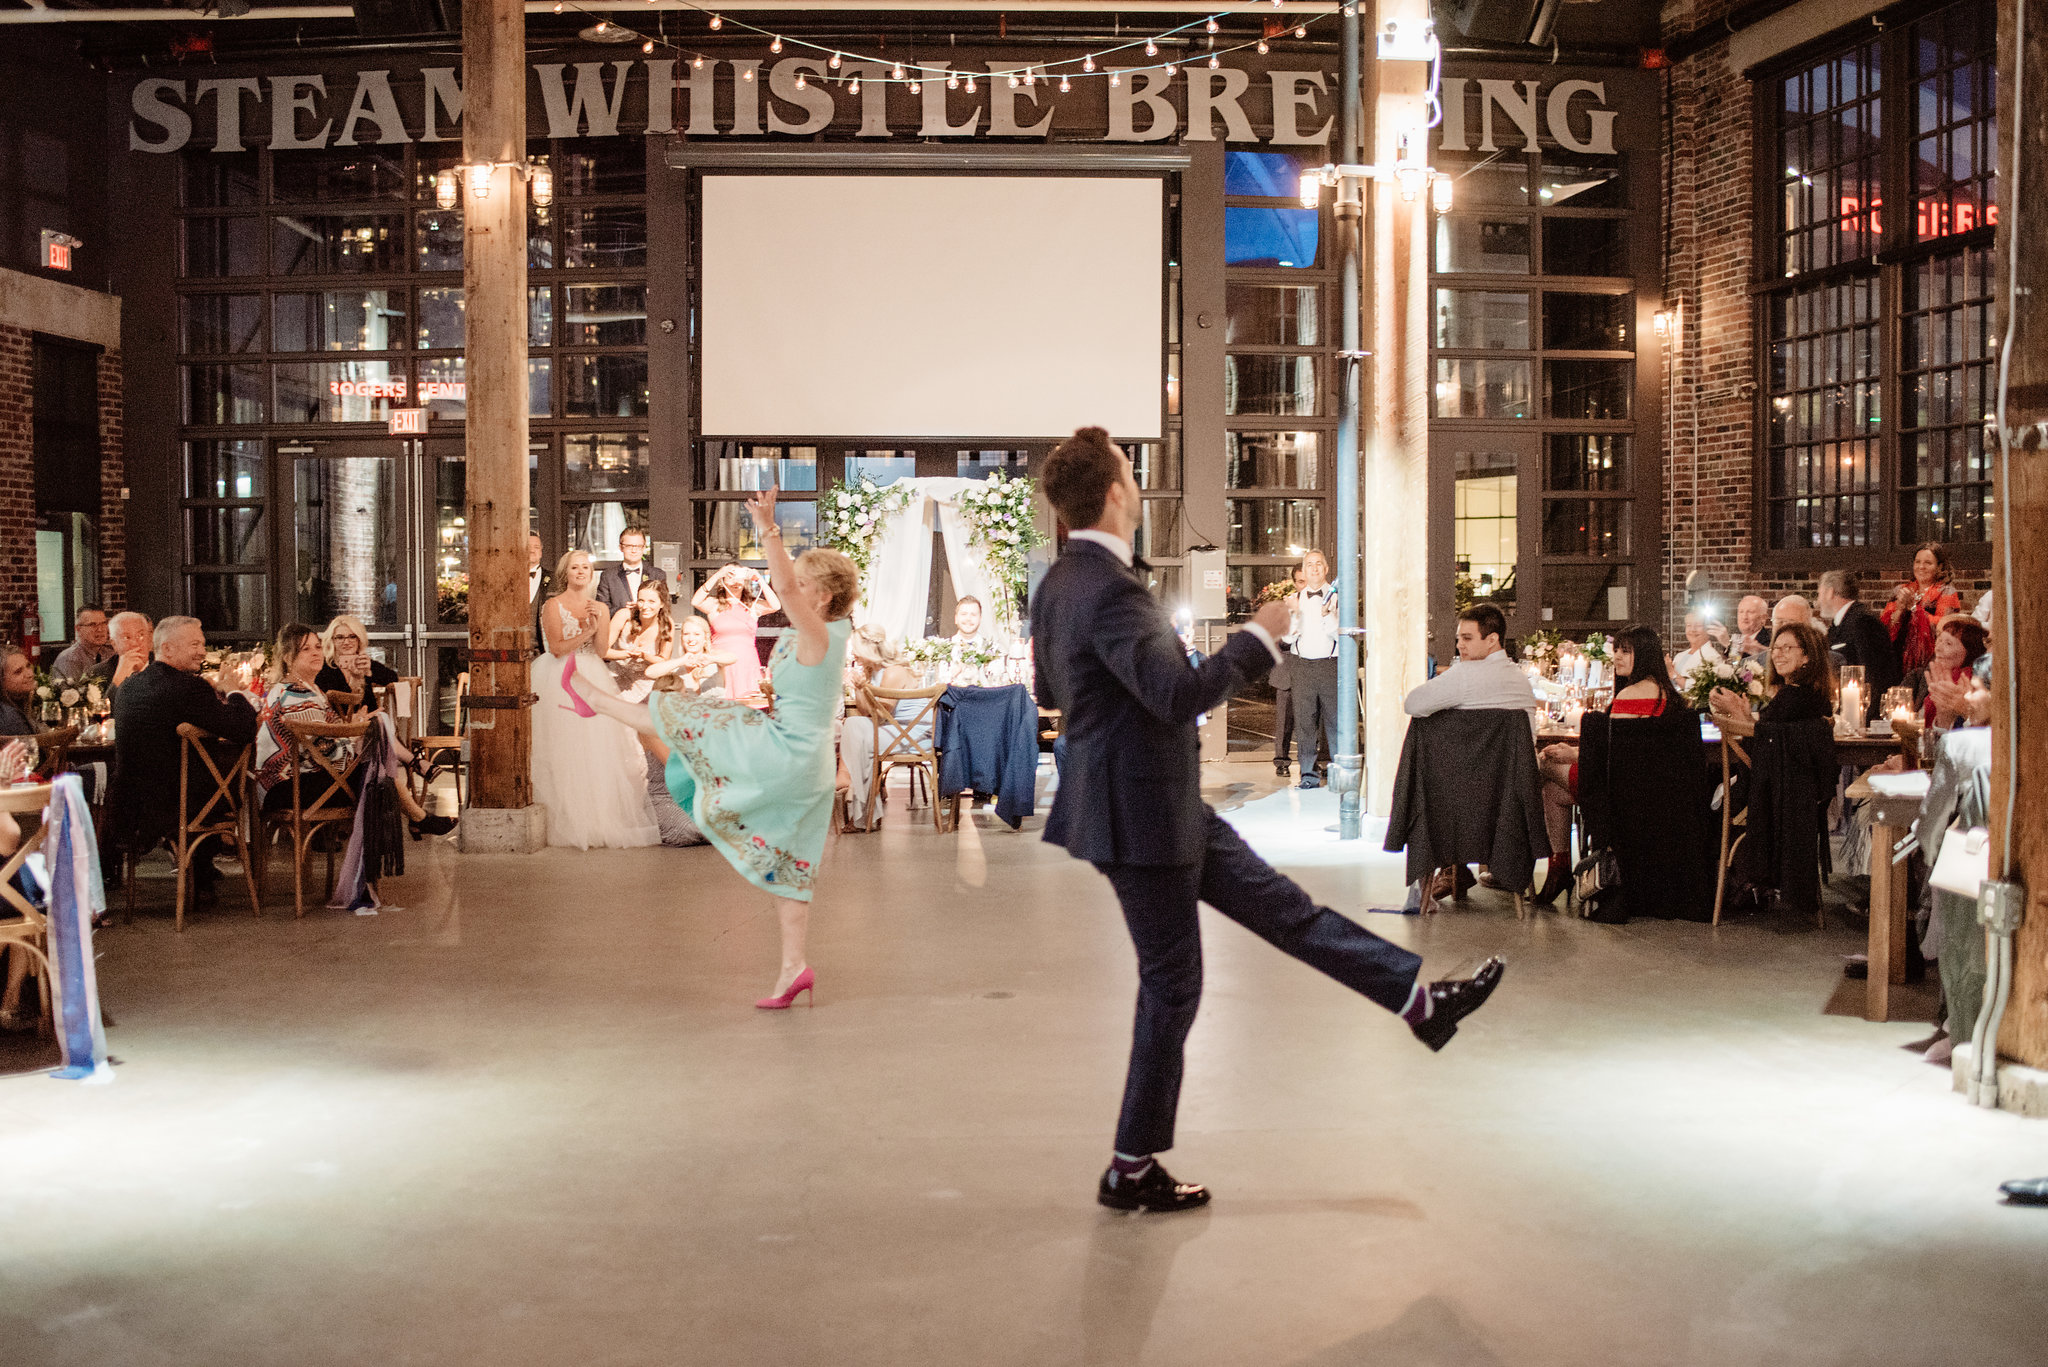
x,y
733,630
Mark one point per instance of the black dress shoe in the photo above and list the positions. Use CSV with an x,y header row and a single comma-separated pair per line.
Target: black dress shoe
x,y
1453,999
2026,1191
1282,767
1155,1191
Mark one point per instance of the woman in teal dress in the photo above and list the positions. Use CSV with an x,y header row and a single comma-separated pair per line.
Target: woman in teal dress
x,y
760,783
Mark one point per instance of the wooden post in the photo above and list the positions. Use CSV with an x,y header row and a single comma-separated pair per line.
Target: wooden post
x,y
501,815
2019,566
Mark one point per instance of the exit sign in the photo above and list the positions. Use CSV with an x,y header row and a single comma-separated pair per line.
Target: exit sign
x,y
57,249
408,422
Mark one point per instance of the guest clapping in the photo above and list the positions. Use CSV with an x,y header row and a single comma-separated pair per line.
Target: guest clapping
x,y
1943,686
699,667
1919,605
1800,682
642,645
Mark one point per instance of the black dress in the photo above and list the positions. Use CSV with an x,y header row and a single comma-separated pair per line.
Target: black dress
x,y
1644,790
1793,773
330,679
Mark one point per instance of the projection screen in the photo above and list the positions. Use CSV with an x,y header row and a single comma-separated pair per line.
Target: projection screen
x,y
930,306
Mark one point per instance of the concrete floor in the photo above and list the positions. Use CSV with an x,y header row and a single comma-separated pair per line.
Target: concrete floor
x,y
530,1118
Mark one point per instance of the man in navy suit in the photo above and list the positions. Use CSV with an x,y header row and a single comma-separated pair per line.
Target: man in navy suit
x,y
1130,803
618,585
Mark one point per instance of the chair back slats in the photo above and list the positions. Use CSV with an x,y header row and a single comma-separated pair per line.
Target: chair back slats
x,y
220,811
344,703
896,740
306,736
23,801
56,746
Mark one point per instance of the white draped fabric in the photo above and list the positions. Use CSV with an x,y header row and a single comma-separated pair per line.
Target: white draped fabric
x,y
898,583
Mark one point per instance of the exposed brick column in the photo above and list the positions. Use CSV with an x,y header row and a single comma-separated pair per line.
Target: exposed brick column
x,y
17,474
113,477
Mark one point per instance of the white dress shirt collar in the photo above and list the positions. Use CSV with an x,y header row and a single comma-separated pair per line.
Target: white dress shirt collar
x,y
1116,544
1843,611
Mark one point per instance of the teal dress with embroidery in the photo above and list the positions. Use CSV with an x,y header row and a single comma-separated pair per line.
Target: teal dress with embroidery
x,y
759,784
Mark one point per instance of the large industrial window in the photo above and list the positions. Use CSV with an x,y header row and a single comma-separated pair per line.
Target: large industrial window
x,y
1877,324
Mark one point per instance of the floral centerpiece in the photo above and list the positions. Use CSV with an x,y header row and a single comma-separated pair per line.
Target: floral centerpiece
x,y
851,518
1599,647
57,697
940,650
1542,648
1745,678
1279,591
1003,525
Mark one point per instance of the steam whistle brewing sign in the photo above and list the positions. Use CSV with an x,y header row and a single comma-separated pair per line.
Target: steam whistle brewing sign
x,y
737,98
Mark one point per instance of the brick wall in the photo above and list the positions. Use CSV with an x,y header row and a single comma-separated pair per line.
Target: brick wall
x,y
1710,209
18,483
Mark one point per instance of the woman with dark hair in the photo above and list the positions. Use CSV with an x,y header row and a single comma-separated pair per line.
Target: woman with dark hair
x,y
1800,683
1639,776
1919,605
1959,642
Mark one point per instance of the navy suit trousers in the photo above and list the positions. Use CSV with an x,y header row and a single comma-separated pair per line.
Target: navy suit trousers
x,y
1159,907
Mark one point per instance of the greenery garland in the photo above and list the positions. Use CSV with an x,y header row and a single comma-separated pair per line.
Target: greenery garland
x,y
1003,524
852,518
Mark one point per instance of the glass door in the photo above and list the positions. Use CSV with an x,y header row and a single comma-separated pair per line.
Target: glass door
x,y
380,533
1484,498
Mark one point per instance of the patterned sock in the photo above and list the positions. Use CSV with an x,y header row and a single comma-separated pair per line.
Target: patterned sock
x,y
1419,1005
1125,1167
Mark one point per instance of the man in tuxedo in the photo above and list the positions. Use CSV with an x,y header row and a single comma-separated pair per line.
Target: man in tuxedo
x,y
538,582
1858,636
1130,803
619,584
142,802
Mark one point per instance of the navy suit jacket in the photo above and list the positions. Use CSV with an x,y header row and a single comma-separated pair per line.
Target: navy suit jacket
x,y
611,585
1106,656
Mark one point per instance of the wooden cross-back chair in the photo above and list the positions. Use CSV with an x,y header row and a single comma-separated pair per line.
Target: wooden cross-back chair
x,y
405,722
219,814
55,747
343,703
322,794
23,926
434,749
897,747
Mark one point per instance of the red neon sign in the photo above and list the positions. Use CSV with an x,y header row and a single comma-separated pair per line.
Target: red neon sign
x,y
1931,217
430,390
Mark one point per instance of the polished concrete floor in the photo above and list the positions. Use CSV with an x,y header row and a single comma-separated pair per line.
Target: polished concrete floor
x,y
529,1118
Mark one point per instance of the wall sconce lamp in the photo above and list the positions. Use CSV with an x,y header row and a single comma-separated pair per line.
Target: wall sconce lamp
x,y
540,181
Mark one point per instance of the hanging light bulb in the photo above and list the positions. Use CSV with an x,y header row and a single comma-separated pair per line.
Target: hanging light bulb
x,y
747,72
1301,30
853,86
647,46
915,87
717,22
1015,80
897,74
1213,62
1440,200
445,189
602,26
540,182
1065,86
1151,48
775,45
480,180
1029,79
1264,47
952,81
1088,63
698,62
1170,69
1212,26
800,80
834,63
1113,81
970,83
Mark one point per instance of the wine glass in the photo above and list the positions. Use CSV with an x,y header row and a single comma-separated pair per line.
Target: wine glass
x,y
29,755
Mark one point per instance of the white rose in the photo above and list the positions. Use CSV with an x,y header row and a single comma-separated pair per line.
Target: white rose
x,y
69,697
1723,671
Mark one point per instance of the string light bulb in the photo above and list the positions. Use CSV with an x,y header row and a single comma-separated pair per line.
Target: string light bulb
x,y
915,87
853,86
698,62
747,72
1065,86
602,26
897,73
716,22
952,81
1015,80
1169,71
1264,47
1301,30
1151,48
1088,63
1029,78
834,63
1212,26
799,80
1113,81
970,83
1213,62
647,46
775,45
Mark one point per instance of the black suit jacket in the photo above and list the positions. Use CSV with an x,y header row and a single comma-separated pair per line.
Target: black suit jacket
x,y
611,584
142,804
1107,657
1861,639
547,591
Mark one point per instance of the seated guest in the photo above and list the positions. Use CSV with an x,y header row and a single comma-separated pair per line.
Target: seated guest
x,y
1699,648
1970,698
295,694
1752,626
92,654
349,668
1793,772
17,695
1641,779
1857,637
642,647
131,638
967,633
698,668
142,803
1791,608
1484,676
1959,642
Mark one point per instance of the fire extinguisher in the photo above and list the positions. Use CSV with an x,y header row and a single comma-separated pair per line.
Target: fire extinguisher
x,y
30,624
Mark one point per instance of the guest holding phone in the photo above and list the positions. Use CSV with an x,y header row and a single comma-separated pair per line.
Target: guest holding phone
x,y
349,668
733,600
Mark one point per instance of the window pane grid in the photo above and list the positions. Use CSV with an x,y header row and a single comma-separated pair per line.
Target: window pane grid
x,y
1825,479
1954,154
1945,332
1829,124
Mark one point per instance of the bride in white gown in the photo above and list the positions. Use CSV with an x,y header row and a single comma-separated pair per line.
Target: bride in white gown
x,y
590,774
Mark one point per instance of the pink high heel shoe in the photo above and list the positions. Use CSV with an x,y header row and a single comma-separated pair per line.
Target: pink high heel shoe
x,y
804,982
582,708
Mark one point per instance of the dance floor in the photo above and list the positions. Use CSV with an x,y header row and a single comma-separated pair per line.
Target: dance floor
x,y
529,1117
